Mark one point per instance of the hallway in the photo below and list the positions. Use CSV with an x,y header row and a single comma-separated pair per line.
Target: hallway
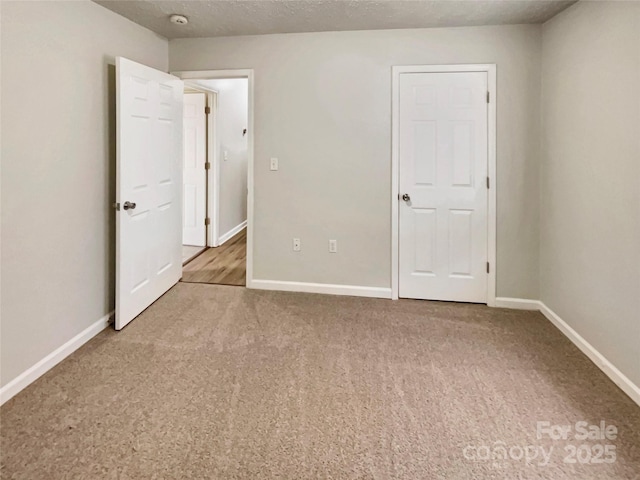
x,y
223,265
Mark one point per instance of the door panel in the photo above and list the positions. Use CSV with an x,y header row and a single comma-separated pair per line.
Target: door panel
x,y
424,156
460,242
424,221
194,173
149,152
443,167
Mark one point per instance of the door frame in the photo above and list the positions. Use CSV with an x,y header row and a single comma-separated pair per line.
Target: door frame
x,y
396,71
213,174
187,75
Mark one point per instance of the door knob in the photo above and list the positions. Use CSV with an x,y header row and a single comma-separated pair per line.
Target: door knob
x,y
129,206
406,197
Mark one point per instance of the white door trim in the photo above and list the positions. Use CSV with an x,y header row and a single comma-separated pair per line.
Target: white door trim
x,y
213,174
248,74
491,145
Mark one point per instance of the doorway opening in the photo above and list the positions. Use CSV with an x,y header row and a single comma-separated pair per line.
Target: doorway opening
x,y
218,152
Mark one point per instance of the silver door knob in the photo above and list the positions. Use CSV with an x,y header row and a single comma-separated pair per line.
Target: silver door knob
x,y
406,197
129,205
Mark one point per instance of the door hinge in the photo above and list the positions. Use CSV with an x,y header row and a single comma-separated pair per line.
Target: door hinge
x,y
207,110
488,183
207,165
488,96
207,221
488,269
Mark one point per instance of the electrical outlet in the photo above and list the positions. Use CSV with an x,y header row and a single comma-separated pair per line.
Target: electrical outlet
x,y
333,246
274,164
297,245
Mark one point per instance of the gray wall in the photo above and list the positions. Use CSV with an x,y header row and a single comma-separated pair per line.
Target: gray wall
x,y
590,176
58,166
323,107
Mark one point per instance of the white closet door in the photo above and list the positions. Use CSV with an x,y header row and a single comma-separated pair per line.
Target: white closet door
x,y
444,198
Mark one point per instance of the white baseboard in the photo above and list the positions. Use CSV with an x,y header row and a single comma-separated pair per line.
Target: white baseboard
x,y
235,230
621,380
517,303
47,363
326,288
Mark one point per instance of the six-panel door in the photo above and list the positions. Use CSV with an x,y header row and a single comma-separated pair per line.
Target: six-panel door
x,y
442,171
148,175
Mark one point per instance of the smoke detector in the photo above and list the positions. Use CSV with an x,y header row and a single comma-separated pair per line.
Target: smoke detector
x,y
179,19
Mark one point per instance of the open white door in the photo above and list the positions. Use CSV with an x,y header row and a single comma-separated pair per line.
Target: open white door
x,y
148,186
194,181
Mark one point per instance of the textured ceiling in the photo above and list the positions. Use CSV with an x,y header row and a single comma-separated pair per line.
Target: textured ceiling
x,y
215,18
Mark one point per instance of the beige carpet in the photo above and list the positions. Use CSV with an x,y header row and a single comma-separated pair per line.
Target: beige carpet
x,y
216,382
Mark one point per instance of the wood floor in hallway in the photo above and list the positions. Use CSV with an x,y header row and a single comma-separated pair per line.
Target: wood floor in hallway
x,y
223,265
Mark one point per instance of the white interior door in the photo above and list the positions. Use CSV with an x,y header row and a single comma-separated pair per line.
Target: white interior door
x,y
148,187
443,139
193,171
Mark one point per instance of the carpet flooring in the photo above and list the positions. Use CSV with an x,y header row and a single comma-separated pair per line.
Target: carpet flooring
x,y
217,382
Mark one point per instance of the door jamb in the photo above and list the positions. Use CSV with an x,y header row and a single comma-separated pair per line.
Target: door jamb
x,y
213,174
248,74
490,69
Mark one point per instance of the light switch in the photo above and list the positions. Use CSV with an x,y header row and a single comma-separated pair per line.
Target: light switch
x,y
274,163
